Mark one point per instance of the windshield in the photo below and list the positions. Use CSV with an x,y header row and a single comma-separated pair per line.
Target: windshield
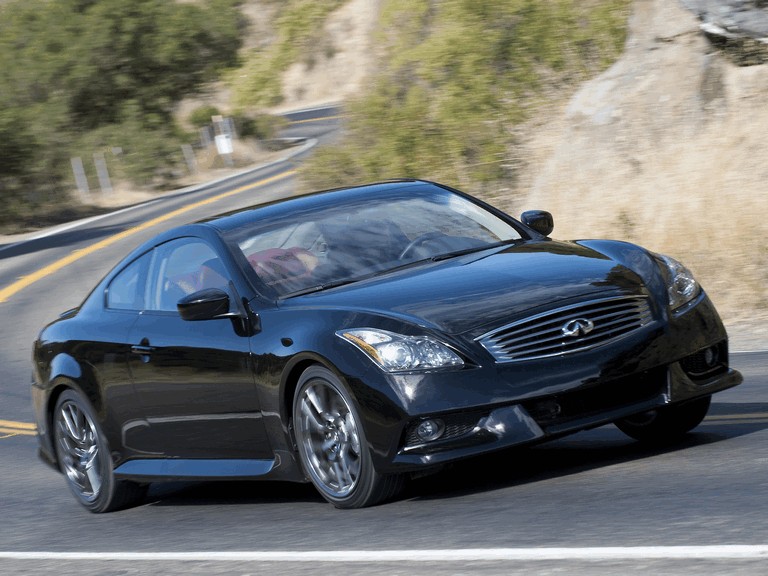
x,y
347,241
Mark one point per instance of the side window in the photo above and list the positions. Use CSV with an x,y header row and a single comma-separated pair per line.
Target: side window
x,y
127,290
182,267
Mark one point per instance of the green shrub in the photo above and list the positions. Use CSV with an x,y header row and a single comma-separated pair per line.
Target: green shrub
x,y
258,126
201,116
458,76
298,27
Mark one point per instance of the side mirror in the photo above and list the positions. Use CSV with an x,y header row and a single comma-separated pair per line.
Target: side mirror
x,y
539,220
204,305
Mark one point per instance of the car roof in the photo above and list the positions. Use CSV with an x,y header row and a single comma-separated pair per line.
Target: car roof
x,y
309,202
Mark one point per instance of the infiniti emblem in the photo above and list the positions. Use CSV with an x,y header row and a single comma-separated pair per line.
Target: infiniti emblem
x,y
578,327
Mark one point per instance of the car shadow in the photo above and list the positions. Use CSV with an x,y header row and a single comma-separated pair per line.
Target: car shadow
x,y
582,452
590,450
237,492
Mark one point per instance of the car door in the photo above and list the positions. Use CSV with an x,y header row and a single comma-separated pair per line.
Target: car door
x,y
195,380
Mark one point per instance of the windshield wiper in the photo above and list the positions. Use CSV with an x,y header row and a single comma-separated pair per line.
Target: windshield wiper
x,y
446,256
464,251
321,287
401,267
337,283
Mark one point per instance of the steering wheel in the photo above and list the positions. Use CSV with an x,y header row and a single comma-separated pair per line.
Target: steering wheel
x,y
418,241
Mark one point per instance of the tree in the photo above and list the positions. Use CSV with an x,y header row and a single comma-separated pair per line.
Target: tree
x,y
84,73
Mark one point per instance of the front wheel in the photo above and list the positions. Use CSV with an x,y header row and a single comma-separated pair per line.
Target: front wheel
x,y
666,424
83,455
332,445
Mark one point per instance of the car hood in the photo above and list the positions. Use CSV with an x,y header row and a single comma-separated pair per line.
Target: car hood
x,y
482,289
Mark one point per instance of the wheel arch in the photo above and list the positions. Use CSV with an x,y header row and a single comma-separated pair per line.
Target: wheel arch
x,y
290,381
66,373
374,399
66,370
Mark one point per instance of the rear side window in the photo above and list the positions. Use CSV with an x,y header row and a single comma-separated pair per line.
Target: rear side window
x,y
127,291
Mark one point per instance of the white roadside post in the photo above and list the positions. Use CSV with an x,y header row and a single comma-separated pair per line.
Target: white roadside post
x,y
81,179
103,174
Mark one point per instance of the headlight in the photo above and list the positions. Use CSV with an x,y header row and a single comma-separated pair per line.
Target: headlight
x,y
399,353
682,287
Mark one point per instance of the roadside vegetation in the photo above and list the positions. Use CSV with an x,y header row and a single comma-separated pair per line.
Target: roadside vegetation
x,y
455,80
79,77
297,35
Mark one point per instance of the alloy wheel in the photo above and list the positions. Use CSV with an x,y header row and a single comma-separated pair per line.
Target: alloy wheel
x,y
329,438
79,453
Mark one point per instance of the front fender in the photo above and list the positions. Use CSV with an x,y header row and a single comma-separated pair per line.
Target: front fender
x,y
634,257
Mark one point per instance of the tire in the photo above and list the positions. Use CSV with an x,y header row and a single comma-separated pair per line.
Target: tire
x,y
666,424
332,447
84,457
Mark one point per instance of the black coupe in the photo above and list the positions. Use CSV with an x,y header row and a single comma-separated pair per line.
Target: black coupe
x,y
353,337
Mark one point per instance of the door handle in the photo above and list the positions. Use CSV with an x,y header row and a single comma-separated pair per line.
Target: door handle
x,y
142,349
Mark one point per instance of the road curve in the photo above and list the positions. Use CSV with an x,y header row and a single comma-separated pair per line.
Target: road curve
x,y
593,503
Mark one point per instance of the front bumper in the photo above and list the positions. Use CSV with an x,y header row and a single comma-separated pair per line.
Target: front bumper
x,y
545,418
492,405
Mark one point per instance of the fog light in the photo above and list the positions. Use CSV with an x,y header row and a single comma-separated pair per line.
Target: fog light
x,y
711,356
429,430
706,361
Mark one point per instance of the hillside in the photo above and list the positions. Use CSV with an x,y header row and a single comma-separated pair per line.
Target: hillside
x,y
664,148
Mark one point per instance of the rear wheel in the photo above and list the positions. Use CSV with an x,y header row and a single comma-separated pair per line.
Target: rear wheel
x,y
666,424
84,457
332,445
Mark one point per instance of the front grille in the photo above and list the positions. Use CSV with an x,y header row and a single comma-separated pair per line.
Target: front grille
x,y
568,329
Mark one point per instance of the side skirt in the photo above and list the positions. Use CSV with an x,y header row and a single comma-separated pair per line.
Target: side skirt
x,y
155,469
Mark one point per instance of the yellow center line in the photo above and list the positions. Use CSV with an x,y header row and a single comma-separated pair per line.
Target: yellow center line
x,y
11,428
12,424
26,281
18,429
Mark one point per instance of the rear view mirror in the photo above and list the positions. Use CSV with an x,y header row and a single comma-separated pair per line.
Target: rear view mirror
x,y
204,305
539,220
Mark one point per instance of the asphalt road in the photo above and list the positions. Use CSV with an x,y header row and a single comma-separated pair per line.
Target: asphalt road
x,y
593,503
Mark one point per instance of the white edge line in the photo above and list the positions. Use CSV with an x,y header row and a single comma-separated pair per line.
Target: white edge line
x,y
77,223
730,552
